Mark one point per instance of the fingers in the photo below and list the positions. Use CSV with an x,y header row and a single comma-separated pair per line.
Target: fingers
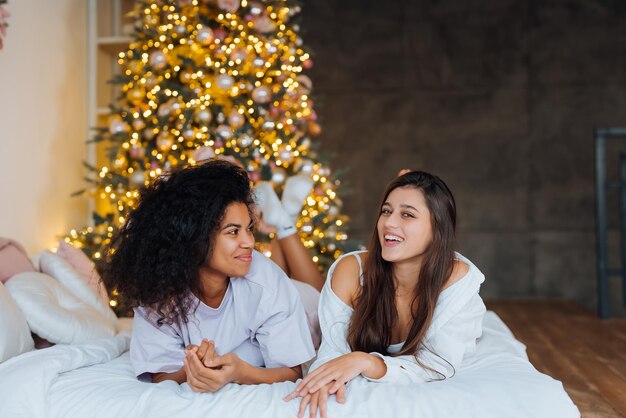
x,y
303,404
403,172
323,399
341,394
336,386
196,384
204,345
306,379
219,361
319,381
291,396
211,351
209,355
313,405
201,378
311,377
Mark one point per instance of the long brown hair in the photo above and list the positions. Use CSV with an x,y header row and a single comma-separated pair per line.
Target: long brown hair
x,y
375,311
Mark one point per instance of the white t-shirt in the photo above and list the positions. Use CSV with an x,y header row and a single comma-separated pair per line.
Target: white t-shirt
x,y
261,319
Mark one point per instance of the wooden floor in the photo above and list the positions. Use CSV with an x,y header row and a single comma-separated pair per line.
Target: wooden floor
x,y
572,345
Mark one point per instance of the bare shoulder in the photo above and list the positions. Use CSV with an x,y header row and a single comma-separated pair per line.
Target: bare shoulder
x,y
345,281
459,270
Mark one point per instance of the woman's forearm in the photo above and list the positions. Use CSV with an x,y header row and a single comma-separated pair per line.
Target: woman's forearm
x,y
251,375
179,376
376,367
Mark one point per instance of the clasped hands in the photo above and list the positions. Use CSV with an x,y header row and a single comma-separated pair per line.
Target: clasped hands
x,y
208,372
329,379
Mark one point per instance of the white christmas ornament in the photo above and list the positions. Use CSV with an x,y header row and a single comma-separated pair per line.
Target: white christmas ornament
x,y
286,156
224,81
255,9
180,29
164,110
117,126
189,134
224,131
236,119
204,35
137,179
262,94
204,116
158,60
245,140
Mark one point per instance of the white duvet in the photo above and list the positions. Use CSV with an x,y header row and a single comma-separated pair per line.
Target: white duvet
x,y
96,380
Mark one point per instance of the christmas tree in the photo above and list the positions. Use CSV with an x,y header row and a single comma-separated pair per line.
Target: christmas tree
x,y
207,79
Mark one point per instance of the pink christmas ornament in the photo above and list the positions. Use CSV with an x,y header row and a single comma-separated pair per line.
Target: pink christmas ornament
x,y
230,6
220,34
203,154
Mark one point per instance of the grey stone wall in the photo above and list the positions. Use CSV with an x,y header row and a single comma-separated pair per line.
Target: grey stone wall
x,y
497,97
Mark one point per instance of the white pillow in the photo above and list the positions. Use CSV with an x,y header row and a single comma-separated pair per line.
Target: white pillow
x,y
16,338
54,313
55,266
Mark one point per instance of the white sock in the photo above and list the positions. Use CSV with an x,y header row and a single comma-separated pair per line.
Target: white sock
x,y
297,188
272,211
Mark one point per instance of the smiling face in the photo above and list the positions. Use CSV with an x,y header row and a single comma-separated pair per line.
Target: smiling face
x,y
404,225
233,244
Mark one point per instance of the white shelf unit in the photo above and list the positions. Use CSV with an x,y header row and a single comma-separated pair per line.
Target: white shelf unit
x,y
109,33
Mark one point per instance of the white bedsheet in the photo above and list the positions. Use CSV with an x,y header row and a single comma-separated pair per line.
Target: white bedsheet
x,y
96,380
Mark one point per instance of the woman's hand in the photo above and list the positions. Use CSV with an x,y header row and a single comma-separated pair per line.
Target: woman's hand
x,y
317,401
212,372
340,370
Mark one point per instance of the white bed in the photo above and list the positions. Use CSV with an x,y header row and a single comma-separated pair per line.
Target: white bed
x,y
96,380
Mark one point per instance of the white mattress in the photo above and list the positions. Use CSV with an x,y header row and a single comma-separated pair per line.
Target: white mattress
x,y
96,380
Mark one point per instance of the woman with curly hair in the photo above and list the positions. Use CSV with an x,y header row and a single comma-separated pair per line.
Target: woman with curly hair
x,y
209,310
406,311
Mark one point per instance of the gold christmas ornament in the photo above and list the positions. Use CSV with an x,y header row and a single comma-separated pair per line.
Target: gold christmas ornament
x,y
135,95
164,141
158,60
236,119
138,124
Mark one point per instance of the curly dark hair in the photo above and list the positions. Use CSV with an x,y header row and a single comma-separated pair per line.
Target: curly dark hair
x,y
154,259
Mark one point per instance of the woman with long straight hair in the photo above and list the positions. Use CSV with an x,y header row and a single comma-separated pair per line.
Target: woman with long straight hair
x,y
406,311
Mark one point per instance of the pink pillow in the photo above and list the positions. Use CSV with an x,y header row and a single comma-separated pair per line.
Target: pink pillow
x,y
84,267
13,259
